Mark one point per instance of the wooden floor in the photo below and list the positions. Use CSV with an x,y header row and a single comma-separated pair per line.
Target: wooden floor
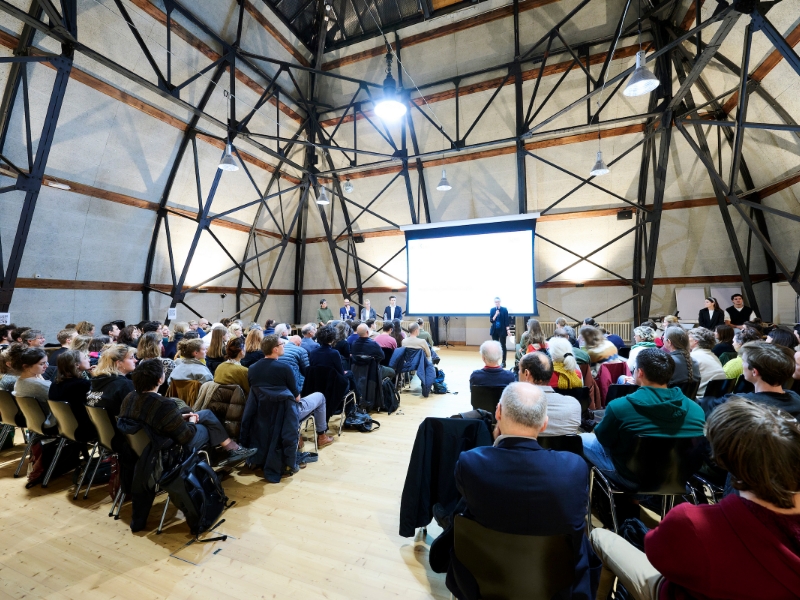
x,y
331,531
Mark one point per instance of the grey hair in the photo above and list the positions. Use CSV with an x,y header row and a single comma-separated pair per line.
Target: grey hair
x,y
308,328
646,333
280,329
491,352
413,327
703,337
561,351
525,404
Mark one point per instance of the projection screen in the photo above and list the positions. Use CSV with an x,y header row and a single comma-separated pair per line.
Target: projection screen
x,y
457,268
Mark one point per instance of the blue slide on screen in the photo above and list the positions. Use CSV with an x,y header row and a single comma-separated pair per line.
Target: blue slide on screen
x,y
457,268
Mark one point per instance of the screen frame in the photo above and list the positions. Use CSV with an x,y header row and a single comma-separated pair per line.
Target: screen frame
x,y
512,223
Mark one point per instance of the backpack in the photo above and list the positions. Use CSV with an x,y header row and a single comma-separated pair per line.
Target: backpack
x,y
439,386
197,492
391,399
359,420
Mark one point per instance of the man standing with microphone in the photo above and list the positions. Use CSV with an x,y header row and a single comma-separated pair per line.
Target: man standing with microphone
x,y
499,329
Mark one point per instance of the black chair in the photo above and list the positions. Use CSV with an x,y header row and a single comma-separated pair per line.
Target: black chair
x,y
712,493
742,386
67,427
619,390
727,356
624,352
510,566
581,394
35,419
331,385
139,442
485,396
661,466
688,387
105,437
717,388
11,416
562,443
387,356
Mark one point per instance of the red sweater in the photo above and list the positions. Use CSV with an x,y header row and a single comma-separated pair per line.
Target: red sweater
x,y
722,551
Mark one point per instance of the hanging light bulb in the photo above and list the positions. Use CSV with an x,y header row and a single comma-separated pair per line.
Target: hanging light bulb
x,y
642,81
348,187
600,167
228,163
389,108
323,196
444,185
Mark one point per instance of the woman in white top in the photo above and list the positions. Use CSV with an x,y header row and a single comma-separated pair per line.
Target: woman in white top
x,y
701,341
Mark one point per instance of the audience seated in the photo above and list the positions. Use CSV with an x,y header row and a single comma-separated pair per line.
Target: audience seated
x,y
109,382
71,385
563,412
85,328
768,367
424,335
271,372
701,341
9,357
733,368
215,348
782,337
151,345
581,356
492,374
643,337
189,429
231,372
397,332
748,545
192,363
342,333
653,409
517,487
676,344
309,332
31,363
723,335
325,355
365,346
386,339
293,355
414,341
252,347
64,337
599,349
353,324
566,373
129,336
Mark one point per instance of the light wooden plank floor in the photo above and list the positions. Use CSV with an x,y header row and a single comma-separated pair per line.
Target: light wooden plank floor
x,y
331,531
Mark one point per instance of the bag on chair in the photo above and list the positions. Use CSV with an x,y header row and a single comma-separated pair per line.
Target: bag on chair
x,y
197,492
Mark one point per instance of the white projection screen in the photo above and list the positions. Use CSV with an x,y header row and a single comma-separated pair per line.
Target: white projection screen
x,y
457,268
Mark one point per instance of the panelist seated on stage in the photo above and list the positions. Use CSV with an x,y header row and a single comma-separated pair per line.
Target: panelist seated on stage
x,y
347,312
563,412
364,346
367,312
414,341
518,487
492,374
392,312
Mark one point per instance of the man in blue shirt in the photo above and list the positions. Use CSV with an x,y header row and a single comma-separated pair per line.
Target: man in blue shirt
x,y
492,374
309,332
347,312
499,329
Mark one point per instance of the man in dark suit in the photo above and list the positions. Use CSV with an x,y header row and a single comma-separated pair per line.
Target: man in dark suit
x,y
499,329
518,487
392,311
347,312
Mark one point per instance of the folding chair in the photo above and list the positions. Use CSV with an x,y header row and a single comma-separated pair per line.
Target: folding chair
x,y
717,388
67,426
581,394
105,436
486,397
35,419
11,416
138,442
619,390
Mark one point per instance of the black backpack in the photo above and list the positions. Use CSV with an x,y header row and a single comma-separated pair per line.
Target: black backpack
x,y
391,399
197,492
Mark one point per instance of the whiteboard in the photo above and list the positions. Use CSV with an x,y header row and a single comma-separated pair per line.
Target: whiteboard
x,y
690,302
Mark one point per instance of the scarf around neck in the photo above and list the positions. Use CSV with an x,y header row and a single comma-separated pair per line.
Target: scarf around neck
x,y
566,379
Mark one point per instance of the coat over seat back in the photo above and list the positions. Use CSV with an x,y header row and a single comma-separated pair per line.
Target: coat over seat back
x,y
186,389
328,382
367,373
270,424
226,401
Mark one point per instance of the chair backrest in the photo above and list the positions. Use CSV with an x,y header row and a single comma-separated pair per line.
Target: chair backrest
x,y
34,415
485,396
742,386
727,356
185,389
138,441
717,388
581,394
506,565
663,465
688,387
103,424
410,358
619,390
387,356
10,413
67,423
562,443
624,352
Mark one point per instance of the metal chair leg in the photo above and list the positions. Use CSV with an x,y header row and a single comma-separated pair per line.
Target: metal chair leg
x,y
613,512
24,456
52,468
4,435
85,470
589,508
314,432
114,504
100,459
119,506
163,516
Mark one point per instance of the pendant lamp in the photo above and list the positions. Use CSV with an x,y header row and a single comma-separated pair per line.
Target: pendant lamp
x,y
389,108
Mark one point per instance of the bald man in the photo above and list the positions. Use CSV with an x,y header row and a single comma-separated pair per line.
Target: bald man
x,y
364,346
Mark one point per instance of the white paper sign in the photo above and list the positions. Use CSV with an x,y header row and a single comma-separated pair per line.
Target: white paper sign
x,y
5,318
172,313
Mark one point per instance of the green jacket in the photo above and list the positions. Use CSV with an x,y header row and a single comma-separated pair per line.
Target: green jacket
x,y
581,357
663,412
324,315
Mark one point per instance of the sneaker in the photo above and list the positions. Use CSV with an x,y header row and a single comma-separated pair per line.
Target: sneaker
x,y
238,455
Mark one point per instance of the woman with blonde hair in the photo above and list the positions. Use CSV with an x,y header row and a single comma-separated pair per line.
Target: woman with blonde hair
x,y
81,343
252,347
192,364
152,346
109,382
85,328
215,355
179,329
599,349
566,374
235,331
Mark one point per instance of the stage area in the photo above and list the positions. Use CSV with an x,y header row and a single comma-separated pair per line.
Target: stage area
x,y
330,531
